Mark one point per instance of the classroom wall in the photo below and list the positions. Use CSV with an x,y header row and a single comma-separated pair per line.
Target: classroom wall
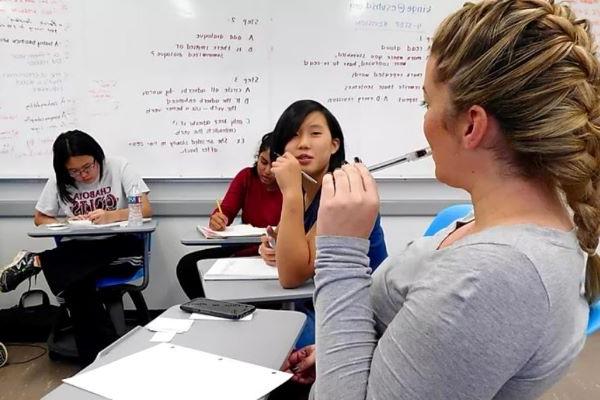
x,y
407,209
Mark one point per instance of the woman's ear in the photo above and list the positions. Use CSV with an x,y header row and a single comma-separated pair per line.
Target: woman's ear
x,y
335,145
476,127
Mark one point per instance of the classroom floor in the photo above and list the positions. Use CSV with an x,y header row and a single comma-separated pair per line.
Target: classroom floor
x,y
33,380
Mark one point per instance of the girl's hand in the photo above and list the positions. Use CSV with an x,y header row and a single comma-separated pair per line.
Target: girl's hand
x,y
349,203
266,252
100,216
288,173
302,364
218,221
271,236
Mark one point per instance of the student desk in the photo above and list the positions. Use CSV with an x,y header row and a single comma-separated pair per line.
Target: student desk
x,y
251,291
266,340
195,238
74,230
116,307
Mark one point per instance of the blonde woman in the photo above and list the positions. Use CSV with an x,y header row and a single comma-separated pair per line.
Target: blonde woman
x,y
495,306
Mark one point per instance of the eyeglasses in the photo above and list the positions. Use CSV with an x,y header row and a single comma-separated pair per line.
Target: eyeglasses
x,y
74,173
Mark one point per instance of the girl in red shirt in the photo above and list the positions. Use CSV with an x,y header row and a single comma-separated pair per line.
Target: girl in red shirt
x,y
254,191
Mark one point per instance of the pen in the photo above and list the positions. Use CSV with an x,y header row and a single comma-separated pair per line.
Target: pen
x,y
270,237
307,176
219,206
412,156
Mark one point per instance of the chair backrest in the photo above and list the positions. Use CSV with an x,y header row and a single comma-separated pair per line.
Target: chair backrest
x,y
131,282
594,318
452,213
446,217
137,281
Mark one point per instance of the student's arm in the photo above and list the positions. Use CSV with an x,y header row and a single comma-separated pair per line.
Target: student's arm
x,y
146,206
294,257
130,179
39,218
295,251
465,328
483,309
104,217
47,207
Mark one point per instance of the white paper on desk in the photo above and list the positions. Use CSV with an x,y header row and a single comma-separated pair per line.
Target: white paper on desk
x,y
240,268
213,318
57,228
168,371
162,337
86,223
239,230
80,222
162,324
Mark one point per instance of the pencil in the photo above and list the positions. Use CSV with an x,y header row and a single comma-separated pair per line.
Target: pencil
x,y
219,206
307,176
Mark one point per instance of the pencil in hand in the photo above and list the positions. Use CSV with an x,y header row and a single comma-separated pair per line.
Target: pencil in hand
x,y
219,206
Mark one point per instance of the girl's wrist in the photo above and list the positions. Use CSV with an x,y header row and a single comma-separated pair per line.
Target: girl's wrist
x,y
292,195
112,216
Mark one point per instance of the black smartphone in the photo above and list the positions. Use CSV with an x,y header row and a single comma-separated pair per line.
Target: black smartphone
x,y
217,308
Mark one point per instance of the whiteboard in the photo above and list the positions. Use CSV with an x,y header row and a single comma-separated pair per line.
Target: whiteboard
x,y
186,88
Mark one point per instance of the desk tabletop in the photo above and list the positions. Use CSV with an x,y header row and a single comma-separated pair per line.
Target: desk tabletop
x,y
265,340
251,291
195,238
76,230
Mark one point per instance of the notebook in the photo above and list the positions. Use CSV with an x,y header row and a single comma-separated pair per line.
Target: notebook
x,y
240,268
86,223
241,230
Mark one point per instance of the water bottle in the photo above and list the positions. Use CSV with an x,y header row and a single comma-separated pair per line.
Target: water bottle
x,y
134,201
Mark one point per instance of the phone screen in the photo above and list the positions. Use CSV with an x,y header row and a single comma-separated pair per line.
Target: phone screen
x,y
217,308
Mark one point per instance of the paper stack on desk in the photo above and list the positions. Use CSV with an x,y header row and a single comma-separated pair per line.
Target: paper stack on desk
x,y
86,223
241,230
240,268
168,371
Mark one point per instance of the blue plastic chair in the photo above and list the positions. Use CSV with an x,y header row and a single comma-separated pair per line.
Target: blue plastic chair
x,y
594,318
458,211
446,217
112,289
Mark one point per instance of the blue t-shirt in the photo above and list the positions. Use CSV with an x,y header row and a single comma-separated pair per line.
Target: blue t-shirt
x,y
377,250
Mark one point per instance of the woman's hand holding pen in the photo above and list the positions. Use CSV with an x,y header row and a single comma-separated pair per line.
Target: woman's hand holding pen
x,y
288,173
349,203
218,221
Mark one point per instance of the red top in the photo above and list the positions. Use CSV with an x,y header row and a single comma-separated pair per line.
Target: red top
x,y
260,207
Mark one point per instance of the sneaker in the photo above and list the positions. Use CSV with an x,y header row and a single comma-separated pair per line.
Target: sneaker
x,y
3,355
17,271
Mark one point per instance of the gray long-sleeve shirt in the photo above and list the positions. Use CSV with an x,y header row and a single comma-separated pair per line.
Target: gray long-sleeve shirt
x,y
496,315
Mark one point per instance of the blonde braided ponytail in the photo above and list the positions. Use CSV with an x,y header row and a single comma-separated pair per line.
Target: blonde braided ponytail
x,y
532,65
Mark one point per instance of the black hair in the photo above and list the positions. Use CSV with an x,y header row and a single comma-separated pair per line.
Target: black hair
x,y
288,124
265,144
67,145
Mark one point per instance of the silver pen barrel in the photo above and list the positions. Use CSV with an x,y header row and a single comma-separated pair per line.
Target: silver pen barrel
x,y
412,156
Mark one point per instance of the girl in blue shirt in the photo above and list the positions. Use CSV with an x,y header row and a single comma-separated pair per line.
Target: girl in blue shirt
x,y
307,138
